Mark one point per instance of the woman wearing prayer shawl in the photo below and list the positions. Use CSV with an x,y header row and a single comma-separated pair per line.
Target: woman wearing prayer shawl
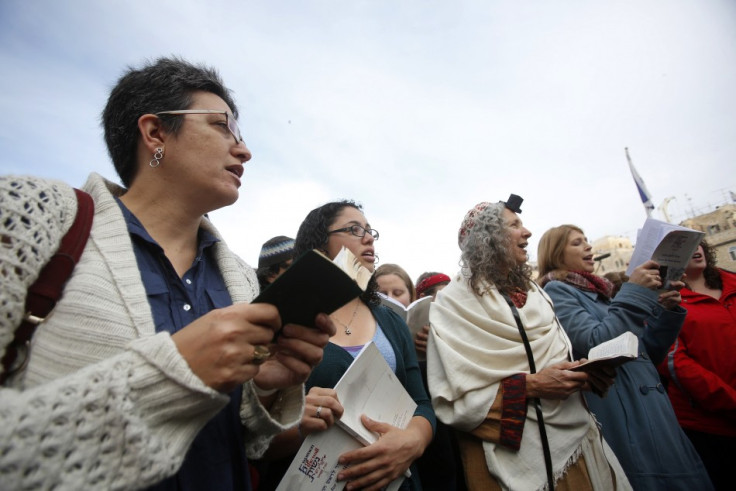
x,y
480,377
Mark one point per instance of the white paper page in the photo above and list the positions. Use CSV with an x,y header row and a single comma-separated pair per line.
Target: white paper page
x,y
370,387
418,315
394,305
315,466
650,236
620,345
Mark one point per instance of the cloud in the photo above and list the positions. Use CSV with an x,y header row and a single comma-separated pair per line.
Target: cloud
x,y
418,110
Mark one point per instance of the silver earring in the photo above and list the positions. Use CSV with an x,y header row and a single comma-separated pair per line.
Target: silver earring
x,y
156,160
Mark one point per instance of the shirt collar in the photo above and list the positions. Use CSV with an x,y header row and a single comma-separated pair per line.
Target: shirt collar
x,y
204,239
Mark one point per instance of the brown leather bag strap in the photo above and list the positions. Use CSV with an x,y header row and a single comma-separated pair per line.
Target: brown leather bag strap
x,y
46,291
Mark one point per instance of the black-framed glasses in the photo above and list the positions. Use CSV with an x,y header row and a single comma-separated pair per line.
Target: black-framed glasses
x,y
232,125
357,231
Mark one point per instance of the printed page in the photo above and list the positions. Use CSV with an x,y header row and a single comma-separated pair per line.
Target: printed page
x,y
625,344
394,305
370,387
315,466
675,251
367,387
613,352
418,316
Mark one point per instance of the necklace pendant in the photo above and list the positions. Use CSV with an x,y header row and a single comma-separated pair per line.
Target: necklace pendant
x,y
348,331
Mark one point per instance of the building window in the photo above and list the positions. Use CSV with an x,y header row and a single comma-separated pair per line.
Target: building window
x,y
713,229
732,252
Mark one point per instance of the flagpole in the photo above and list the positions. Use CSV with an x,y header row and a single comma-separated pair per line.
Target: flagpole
x,y
646,198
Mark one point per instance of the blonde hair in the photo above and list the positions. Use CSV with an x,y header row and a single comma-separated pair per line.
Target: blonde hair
x,y
551,249
387,269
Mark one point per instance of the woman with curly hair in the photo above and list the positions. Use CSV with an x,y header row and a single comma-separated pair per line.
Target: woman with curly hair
x,y
701,367
636,417
495,346
328,229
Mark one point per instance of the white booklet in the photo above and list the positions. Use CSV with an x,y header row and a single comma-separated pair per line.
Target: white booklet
x,y
416,315
670,245
368,387
613,352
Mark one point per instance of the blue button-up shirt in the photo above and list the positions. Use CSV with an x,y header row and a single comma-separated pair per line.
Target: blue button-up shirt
x,y
216,460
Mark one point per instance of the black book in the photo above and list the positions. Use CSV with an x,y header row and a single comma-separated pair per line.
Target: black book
x,y
312,284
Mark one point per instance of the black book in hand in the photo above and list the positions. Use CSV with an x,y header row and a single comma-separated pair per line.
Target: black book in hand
x,y
312,284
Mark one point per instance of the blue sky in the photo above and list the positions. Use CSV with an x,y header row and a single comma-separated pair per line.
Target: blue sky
x,y
416,109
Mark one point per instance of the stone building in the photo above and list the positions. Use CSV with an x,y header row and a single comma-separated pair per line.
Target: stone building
x,y
612,254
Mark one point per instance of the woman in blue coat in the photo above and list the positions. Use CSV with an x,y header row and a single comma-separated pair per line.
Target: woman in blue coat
x,y
637,419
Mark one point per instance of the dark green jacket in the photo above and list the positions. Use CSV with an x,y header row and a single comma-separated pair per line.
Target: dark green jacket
x,y
336,360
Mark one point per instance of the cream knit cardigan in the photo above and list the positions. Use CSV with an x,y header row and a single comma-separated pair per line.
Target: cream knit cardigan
x,y
105,402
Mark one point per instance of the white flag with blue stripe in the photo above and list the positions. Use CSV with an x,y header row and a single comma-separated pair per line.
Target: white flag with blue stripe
x,y
646,198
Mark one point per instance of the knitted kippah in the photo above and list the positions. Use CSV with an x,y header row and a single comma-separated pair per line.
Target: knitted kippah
x,y
276,250
469,221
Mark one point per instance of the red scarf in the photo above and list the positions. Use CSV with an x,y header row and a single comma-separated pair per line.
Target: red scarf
x,y
581,280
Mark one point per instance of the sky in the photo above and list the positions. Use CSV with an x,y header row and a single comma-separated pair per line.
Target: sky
x,y
418,110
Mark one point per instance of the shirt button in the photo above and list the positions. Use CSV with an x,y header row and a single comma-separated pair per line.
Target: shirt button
x,y
187,307
189,282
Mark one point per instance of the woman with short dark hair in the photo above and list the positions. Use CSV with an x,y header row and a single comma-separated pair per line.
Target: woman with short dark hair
x,y
154,368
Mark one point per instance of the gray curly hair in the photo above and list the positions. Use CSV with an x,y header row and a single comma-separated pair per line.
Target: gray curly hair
x,y
485,245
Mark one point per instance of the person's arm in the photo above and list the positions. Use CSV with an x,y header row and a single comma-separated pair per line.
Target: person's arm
x,y
134,414
627,312
705,387
661,332
124,422
321,410
120,421
504,423
420,340
375,466
223,358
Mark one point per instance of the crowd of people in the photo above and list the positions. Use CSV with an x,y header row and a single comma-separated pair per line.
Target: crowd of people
x,y
155,371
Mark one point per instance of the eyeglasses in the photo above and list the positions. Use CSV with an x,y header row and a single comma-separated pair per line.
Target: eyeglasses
x,y
232,125
357,231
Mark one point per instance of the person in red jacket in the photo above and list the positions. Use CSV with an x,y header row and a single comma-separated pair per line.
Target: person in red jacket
x,y
701,366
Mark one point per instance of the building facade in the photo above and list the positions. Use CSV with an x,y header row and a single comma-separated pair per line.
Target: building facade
x,y
612,254
720,232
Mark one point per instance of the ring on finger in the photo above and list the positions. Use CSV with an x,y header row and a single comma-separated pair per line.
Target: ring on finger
x,y
261,353
319,412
